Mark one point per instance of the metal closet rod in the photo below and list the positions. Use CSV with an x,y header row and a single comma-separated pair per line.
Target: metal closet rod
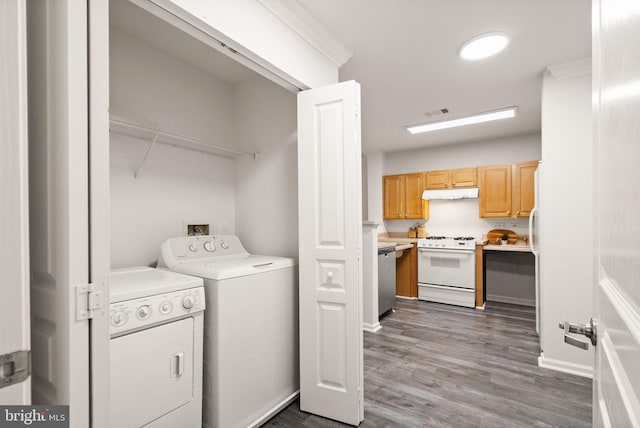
x,y
198,145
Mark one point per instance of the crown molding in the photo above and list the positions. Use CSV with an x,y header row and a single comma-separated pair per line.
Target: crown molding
x,y
570,69
293,14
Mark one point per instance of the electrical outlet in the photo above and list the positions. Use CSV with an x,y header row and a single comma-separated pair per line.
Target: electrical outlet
x,y
515,225
499,225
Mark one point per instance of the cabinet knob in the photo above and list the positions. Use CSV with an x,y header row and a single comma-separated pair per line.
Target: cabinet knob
x,y
518,213
508,212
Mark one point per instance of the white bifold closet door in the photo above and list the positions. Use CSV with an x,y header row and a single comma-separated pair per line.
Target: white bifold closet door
x,y
330,243
68,198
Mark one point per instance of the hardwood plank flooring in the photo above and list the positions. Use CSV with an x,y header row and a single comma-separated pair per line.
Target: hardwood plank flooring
x,y
435,365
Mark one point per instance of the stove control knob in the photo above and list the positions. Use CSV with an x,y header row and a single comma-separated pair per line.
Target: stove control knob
x,y
118,318
210,246
224,245
165,307
188,302
193,248
143,312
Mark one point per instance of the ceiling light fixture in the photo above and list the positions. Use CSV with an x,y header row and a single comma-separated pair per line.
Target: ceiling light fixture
x,y
469,120
484,46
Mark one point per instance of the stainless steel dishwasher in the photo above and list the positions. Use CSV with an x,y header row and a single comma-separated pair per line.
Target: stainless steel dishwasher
x,y
386,279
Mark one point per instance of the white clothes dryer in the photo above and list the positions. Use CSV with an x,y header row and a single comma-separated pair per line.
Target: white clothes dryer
x,y
156,348
251,327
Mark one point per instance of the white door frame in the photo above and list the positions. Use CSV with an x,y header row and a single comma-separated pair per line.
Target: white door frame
x,y
14,218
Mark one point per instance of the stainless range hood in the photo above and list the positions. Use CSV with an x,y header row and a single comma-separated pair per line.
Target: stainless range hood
x,y
468,193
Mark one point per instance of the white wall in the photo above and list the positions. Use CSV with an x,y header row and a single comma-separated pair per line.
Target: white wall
x,y
175,184
267,188
566,217
477,153
254,28
451,217
375,171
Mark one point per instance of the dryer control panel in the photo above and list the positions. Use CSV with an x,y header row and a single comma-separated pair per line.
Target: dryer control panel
x,y
132,315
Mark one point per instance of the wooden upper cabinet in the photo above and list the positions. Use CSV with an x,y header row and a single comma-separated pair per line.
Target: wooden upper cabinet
x,y
507,191
524,188
437,179
402,197
413,188
495,191
464,177
451,178
393,197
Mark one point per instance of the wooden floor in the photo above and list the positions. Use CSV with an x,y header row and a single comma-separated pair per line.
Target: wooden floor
x,y
435,365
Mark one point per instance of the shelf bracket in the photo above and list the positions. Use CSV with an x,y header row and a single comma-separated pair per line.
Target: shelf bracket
x,y
146,155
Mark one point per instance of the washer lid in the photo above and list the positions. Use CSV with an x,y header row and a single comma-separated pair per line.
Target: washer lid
x,y
233,266
142,281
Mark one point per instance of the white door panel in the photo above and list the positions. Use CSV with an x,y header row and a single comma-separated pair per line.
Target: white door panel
x,y
14,228
58,199
616,393
330,192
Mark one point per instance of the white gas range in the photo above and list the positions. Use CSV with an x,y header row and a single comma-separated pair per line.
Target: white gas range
x,y
447,270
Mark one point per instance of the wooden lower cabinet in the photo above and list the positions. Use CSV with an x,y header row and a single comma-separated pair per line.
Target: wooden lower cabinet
x,y
407,273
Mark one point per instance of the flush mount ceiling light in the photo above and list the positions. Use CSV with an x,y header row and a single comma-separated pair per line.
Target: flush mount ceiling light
x,y
469,120
484,46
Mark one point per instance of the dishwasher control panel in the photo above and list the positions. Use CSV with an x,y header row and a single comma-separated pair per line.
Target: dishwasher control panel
x,y
142,312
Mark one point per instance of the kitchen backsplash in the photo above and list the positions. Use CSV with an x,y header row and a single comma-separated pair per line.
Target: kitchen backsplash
x,y
458,218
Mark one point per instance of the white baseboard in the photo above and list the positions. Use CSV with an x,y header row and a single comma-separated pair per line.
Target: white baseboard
x,y
371,328
512,300
274,410
406,298
565,367
481,307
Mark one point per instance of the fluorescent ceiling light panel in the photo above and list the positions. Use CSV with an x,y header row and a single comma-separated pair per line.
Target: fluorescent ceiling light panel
x,y
484,46
469,120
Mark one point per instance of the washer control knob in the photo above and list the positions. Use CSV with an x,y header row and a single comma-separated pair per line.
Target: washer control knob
x,y
143,312
210,246
188,302
165,307
224,245
193,248
118,318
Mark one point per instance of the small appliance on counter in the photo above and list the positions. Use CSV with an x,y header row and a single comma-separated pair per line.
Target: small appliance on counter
x,y
418,231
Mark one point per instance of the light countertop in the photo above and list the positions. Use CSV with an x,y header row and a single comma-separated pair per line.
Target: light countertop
x,y
519,246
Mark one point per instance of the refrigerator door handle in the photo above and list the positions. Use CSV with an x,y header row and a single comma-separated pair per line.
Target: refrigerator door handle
x,y
533,213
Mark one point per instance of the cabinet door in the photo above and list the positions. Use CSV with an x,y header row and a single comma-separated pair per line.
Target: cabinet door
x,y
495,191
464,177
438,179
523,188
413,188
392,197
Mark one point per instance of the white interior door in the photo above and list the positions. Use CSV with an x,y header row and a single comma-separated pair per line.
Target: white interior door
x,y
330,219
616,67
15,384
58,203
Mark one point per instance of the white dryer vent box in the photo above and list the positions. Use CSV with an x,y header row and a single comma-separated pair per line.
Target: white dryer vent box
x,y
195,228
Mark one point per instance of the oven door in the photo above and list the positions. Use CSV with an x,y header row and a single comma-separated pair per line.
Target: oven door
x,y
453,268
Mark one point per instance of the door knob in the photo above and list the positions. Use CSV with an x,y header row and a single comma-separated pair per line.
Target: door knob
x,y
589,330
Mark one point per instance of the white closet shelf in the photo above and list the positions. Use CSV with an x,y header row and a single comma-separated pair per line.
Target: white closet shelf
x,y
120,126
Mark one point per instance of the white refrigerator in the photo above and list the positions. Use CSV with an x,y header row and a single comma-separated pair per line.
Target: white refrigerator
x,y
534,241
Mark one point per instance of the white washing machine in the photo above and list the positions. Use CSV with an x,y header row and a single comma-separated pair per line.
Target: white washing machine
x,y
251,327
156,348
